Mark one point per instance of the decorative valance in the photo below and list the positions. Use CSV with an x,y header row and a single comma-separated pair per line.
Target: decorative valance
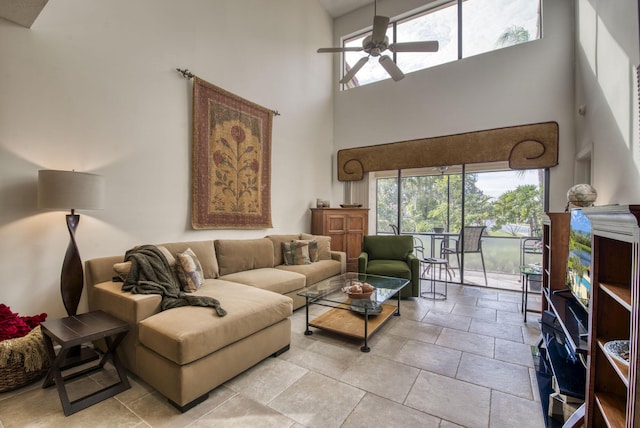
x,y
531,146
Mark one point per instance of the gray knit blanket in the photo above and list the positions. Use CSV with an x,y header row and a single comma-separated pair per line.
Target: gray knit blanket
x,y
151,274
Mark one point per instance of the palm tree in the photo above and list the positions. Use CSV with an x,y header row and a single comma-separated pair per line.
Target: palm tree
x,y
513,36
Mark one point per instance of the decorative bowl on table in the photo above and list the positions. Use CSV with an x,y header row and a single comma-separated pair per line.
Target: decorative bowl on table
x,y
358,290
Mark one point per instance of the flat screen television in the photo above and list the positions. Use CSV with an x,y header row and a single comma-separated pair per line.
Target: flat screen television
x,y
579,257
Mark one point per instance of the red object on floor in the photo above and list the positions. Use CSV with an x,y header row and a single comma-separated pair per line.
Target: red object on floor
x,y
12,325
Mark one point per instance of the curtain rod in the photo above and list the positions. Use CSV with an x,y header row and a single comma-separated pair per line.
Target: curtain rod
x,y
189,75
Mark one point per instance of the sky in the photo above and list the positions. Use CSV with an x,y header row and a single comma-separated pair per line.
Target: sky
x,y
483,23
496,183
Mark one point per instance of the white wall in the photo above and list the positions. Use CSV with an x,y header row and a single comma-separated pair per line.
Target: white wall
x,y
527,83
92,86
607,53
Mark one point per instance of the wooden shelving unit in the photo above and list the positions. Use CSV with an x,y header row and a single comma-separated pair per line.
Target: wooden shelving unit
x,y
612,387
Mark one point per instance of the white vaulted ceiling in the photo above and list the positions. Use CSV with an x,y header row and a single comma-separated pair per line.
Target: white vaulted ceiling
x,y
21,12
25,12
338,8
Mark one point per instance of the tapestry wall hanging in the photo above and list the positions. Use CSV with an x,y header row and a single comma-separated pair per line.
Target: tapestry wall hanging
x,y
231,177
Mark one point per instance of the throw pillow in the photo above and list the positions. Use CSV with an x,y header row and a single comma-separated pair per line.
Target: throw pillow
x,y
189,271
287,255
314,254
300,251
324,244
167,255
122,269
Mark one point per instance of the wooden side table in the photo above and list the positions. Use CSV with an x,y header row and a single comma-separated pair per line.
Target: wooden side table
x,y
71,332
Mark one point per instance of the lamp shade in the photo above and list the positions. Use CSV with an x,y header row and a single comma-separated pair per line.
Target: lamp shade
x,y
70,190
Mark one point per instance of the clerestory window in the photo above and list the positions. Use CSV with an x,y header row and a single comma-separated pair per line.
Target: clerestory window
x,y
485,25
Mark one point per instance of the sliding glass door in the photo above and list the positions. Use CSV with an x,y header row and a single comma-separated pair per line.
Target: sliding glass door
x,y
496,209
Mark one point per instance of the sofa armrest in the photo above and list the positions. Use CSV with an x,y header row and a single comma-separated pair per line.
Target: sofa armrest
x,y
340,256
97,271
104,294
131,308
363,260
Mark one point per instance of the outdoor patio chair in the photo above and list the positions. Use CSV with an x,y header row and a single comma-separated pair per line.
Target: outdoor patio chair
x,y
472,244
530,245
418,247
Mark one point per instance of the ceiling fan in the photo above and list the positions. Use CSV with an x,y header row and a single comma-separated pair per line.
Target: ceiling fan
x,y
376,44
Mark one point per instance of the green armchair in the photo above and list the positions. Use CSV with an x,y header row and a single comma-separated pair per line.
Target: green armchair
x,y
391,255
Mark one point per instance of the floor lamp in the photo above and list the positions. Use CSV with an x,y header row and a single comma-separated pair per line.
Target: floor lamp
x,y
70,190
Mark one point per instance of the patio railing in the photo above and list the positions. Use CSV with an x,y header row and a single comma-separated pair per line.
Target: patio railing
x,y
502,256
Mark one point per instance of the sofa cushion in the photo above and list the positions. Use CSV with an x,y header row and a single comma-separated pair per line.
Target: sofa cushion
x,y
315,272
278,257
391,247
395,268
188,333
205,252
324,245
238,255
189,271
276,280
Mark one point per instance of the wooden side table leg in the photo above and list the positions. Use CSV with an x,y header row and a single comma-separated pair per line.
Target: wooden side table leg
x,y
113,355
54,375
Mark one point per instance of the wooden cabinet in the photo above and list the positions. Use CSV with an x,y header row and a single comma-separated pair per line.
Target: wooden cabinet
x,y
345,226
612,387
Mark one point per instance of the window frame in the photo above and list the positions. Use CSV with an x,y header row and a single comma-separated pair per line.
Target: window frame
x,y
414,14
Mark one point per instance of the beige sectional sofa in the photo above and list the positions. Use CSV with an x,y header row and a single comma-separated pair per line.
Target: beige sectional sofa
x,y
186,352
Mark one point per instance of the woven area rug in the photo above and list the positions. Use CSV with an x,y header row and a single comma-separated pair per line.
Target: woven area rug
x,y
231,182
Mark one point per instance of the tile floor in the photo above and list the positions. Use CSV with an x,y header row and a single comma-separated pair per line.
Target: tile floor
x,y
463,362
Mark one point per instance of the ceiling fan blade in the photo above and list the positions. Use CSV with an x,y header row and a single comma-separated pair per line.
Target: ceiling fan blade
x,y
391,67
357,66
333,50
430,46
380,24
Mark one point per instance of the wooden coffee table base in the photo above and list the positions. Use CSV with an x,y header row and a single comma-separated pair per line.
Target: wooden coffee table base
x,y
352,324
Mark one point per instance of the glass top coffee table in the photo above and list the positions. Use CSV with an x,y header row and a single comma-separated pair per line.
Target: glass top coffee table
x,y
359,318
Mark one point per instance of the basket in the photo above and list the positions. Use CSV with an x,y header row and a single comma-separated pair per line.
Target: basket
x,y
23,360
360,295
364,295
